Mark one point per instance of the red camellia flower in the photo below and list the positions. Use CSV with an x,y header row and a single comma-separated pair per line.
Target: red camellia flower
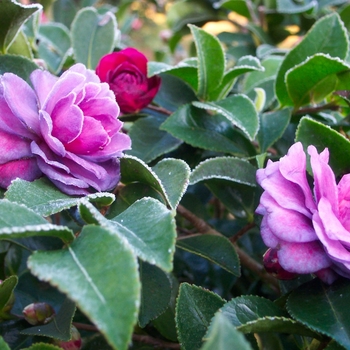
x,y
126,73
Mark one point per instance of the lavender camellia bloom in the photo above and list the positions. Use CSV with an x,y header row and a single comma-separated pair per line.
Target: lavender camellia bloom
x,y
66,128
126,73
310,231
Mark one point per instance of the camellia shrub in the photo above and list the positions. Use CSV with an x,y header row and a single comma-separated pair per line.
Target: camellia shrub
x,y
175,175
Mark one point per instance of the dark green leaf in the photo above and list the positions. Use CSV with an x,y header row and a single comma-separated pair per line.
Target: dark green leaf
x,y
291,7
18,65
155,293
59,327
224,254
43,346
239,6
327,36
222,336
311,132
200,129
6,294
147,226
18,221
323,308
12,16
64,11
239,110
194,310
211,62
226,168
272,126
45,199
106,286
93,35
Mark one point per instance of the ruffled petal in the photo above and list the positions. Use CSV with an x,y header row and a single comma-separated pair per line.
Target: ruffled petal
x,y
303,258
13,147
43,82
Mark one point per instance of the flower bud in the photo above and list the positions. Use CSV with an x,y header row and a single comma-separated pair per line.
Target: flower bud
x,y
38,313
272,266
74,343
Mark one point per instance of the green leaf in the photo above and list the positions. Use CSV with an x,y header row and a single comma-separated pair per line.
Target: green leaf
x,y
311,132
187,70
42,346
194,309
6,297
211,62
106,285
21,46
291,7
18,221
3,344
174,175
248,308
224,254
148,141
147,226
244,65
12,16
18,65
271,324
239,110
226,168
155,293
93,35
239,6
327,36
222,336
64,11
54,45
319,69
200,129
45,199
323,308
272,127
59,327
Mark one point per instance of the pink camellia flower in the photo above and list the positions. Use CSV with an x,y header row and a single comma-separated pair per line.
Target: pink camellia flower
x,y
65,128
126,73
309,230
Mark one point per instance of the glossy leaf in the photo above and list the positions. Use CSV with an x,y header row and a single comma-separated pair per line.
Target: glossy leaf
x,y
148,141
12,16
147,226
226,168
224,254
155,293
194,309
311,132
211,132
6,293
18,221
174,175
45,199
59,327
272,126
291,7
43,346
244,309
93,36
222,336
211,62
239,6
324,309
239,110
319,69
107,290
3,344
335,43
54,45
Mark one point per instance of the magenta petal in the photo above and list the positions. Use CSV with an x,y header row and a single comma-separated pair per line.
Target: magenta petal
x,y
22,100
43,82
13,147
324,179
303,258
25,169
344,201
327,275
99,106
267,236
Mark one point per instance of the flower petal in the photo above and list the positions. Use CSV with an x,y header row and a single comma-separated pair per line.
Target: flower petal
x,y
43,82
13,147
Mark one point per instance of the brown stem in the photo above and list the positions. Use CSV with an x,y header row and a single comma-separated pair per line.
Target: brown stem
x,y
159,109
308,110
241,232
245,259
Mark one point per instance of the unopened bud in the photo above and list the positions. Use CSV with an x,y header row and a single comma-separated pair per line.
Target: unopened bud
x,y
38,313
74,343
272,266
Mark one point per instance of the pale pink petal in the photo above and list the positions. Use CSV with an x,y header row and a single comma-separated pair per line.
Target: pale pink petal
x,y
43,82
267,236
344,201
303,258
